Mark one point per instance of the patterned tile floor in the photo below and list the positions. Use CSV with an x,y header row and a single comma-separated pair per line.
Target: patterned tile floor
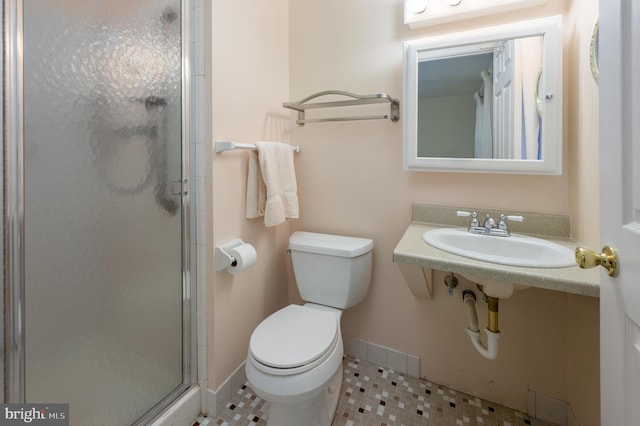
x,y
372,395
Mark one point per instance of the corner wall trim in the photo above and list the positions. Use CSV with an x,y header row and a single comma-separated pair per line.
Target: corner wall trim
x,y
216,400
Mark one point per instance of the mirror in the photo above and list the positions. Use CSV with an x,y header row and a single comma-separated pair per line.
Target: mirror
x,y
488,100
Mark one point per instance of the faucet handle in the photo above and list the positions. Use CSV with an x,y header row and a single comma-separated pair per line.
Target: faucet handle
x,y
473,215
502,224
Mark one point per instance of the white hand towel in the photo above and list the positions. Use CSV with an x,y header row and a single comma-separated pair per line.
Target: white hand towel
x,y
274,171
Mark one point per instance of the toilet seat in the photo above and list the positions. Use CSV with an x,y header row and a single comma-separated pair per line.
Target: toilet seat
x,y
294,339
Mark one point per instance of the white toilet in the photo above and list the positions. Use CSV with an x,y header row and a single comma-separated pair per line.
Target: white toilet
x,y
295,355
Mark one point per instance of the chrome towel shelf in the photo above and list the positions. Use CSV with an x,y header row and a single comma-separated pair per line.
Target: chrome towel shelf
x,y
230,145
302,105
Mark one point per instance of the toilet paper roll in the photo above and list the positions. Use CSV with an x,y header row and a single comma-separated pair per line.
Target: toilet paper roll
x,y
245,256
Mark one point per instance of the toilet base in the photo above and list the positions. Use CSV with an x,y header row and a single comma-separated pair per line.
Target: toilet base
x,y
317,411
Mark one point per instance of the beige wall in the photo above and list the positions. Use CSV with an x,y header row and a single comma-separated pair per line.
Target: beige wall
x,y
583,355
250,82
351,182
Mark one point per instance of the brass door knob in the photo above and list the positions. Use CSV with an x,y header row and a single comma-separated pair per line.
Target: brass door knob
x,y
608,259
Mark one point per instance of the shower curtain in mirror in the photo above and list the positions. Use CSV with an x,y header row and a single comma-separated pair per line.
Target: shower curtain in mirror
x,y
483,142
529,52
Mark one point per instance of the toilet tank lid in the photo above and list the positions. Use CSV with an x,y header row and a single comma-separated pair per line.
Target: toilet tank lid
x,y
333,245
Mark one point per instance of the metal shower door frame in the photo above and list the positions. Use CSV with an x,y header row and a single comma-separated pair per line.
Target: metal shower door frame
x,y
13,214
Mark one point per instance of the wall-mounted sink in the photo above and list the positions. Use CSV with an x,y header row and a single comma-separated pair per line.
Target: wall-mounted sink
x,y
515,250
417,260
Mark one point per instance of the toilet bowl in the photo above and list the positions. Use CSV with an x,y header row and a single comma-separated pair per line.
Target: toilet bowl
x,y
295,355
300,380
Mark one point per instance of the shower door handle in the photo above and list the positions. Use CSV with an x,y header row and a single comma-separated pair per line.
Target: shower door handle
x,y
180,187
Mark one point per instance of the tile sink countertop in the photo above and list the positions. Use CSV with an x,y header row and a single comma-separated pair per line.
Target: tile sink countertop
x,y
413,250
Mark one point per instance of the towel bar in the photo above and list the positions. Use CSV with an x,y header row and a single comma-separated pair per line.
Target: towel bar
x,y
303,105
230,145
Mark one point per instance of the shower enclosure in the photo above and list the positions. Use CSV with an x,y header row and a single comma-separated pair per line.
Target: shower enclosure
x,y
96,208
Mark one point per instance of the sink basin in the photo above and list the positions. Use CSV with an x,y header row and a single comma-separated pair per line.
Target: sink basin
x,y
516,250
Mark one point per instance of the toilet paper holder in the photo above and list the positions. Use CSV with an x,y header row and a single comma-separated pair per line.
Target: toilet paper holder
x,y
224,259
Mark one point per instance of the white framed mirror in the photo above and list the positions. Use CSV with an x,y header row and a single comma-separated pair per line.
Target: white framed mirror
x,y
487,100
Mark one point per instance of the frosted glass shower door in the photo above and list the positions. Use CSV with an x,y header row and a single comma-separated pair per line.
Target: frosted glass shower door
x,y
103,220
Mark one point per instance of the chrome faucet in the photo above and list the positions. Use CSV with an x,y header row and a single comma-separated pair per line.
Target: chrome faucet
x,y
489,226
489,223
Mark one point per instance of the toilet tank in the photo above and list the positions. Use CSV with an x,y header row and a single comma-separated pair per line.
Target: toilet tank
x,y
331,270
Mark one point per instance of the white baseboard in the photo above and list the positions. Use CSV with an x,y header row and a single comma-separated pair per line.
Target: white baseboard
x,y
400,362
540,406
571,418
216,400
551,410
183,412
